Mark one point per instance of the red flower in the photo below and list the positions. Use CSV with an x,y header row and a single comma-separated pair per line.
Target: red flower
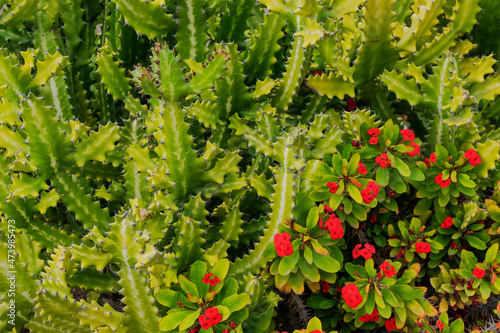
x,y
432,158
374,315
370,192
211,318
365,253
440,324
475,160
214,281
427,163
478,272
335,227
390,324
416,149
388,269
472,156
206,278
370,317
362,169
325,286
332,186
321,225
448,222
351,104
383,160
373,218
233,325
355,143
439,180
317,72
365,318
373,132
282,244
327,209
407,134
423,247
351,295
373,140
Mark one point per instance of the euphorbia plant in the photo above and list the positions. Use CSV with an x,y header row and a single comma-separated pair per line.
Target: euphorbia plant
x,y
205,300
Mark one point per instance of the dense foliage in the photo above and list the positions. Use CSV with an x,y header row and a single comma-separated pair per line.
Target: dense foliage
x,y
183,166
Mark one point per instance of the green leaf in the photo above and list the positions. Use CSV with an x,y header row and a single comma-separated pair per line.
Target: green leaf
x,y
310,271
236,302
403,88
475,242
188,286
189,320
403,169
308,255
397,183
326,263
465,180
491,254
382,176
354,193
112,75
318,248
170,298
352,166
331,86
314,324
288,263
173,319
312,218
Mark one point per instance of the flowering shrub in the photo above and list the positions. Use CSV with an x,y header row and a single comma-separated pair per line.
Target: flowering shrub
x,y
182,166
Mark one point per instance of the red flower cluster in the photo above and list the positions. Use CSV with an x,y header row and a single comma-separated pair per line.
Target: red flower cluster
x,y
351,104
370,317
317,72
195,330
478,272
407,134
440,324
282,244
373,132
473,157
365,253
443,183
362,169
383,160
207,279
334,225
332,186
416,149
390,324
327,209
370,192
325,287
388,269
448,222
432,158
355,143
423,247
427,163
211,318
351,295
